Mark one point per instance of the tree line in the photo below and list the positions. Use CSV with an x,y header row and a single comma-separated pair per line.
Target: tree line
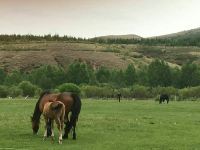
x,y
142,82
40,38
158,73
187,41
153,41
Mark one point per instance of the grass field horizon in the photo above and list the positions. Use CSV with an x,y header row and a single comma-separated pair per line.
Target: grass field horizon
x,y
107,124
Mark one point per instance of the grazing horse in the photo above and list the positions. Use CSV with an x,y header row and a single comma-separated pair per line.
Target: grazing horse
x,y
72,104
54,111
164,97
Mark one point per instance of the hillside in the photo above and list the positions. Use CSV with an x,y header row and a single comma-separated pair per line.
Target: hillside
x,y
29,55
188,34
128,36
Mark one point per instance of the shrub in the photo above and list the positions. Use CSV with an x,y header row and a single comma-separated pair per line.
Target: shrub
x,y
140,92
164,90
15,91
3,91
69,87
56,91
97,92
125,92
192,92
38,91
28,89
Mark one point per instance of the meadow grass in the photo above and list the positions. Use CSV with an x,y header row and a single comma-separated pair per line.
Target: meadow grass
x,y
108,125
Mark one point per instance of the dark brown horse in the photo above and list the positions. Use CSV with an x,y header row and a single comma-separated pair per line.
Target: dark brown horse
x,y
72,104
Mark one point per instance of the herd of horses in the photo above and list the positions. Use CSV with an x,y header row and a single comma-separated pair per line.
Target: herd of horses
x,y
63,108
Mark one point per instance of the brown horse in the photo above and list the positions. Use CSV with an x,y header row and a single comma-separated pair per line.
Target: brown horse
x,y
72,104
54,111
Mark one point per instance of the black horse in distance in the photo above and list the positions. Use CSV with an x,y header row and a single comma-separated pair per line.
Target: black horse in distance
x,y
163,98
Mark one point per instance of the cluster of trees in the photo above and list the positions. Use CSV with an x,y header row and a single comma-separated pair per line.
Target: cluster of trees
x,y
49,37
157,74
178,41
153,41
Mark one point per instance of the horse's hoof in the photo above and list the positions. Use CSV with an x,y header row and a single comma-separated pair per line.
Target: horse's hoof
x,y
52,138
60,141
44,138
74,137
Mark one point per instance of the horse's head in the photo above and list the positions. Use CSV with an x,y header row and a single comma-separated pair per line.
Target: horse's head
x,y
35,125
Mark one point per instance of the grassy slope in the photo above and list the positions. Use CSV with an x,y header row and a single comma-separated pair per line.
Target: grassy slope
x,y
188,34
109,125
26,56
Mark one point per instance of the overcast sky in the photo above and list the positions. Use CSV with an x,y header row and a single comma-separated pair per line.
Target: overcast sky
x,y
90,18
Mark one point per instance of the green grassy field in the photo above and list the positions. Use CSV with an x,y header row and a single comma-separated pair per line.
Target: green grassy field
x,y
108,125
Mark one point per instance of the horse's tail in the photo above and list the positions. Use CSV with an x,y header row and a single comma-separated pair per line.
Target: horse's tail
x,y
37,113
75,111
76,107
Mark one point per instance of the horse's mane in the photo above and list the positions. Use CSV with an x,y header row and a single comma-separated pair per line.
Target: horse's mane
x,y
37,112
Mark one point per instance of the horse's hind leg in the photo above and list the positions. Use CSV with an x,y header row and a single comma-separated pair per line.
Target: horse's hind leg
x,y
59,126
52,131
74,132
49,124
66,131
45,132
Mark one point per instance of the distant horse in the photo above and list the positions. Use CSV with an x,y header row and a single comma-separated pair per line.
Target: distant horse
x,y
54,111
163,98
119,95
72,104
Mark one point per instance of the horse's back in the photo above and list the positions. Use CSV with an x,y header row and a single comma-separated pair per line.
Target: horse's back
x,y
164,96
66,98
46,99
